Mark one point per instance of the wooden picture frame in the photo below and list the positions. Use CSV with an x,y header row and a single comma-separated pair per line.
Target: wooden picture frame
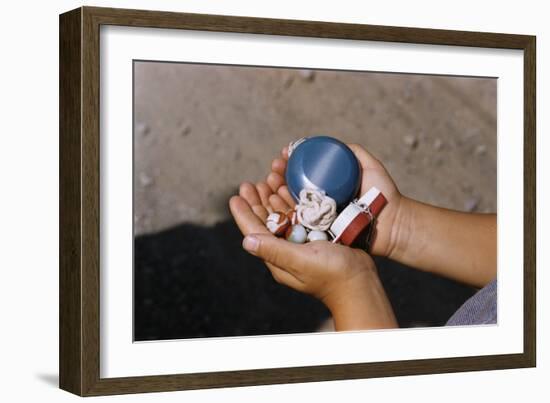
x,y
79,200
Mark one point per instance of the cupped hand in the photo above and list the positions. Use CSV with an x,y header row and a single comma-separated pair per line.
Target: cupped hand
x,y
343,278
373,173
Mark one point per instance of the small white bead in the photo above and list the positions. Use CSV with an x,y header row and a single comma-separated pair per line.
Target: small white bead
x,y
317,236
297,234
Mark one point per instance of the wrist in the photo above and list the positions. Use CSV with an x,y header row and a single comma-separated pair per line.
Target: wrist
x,y
361,303
402,229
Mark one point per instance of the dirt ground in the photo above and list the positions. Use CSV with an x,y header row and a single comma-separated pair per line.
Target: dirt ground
x,y
201,130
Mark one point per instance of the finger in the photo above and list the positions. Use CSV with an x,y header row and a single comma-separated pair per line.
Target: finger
x,y
279,166
275,181
264,191
247,221
366,159
278,203
284,194
284,152
286,255
283,277
249,192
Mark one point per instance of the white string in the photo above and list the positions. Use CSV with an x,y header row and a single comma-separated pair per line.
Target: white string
x,y
293,144
315,210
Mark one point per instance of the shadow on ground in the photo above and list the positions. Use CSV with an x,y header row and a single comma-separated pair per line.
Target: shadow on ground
x,y
193,281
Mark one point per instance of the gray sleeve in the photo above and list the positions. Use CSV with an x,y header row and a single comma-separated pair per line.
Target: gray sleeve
x,y
480,309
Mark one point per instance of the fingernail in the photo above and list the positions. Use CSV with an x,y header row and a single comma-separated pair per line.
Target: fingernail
x,y
251,243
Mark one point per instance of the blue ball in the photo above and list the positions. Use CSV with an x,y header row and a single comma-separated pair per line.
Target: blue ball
x,y
327,164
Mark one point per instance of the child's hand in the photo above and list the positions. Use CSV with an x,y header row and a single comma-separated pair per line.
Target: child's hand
x,y
343,278
460,246
373,174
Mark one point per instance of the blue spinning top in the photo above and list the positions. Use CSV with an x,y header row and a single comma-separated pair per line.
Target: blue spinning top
x,y
323,163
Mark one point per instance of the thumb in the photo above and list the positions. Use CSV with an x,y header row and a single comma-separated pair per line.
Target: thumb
x,y
365,158
279,252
